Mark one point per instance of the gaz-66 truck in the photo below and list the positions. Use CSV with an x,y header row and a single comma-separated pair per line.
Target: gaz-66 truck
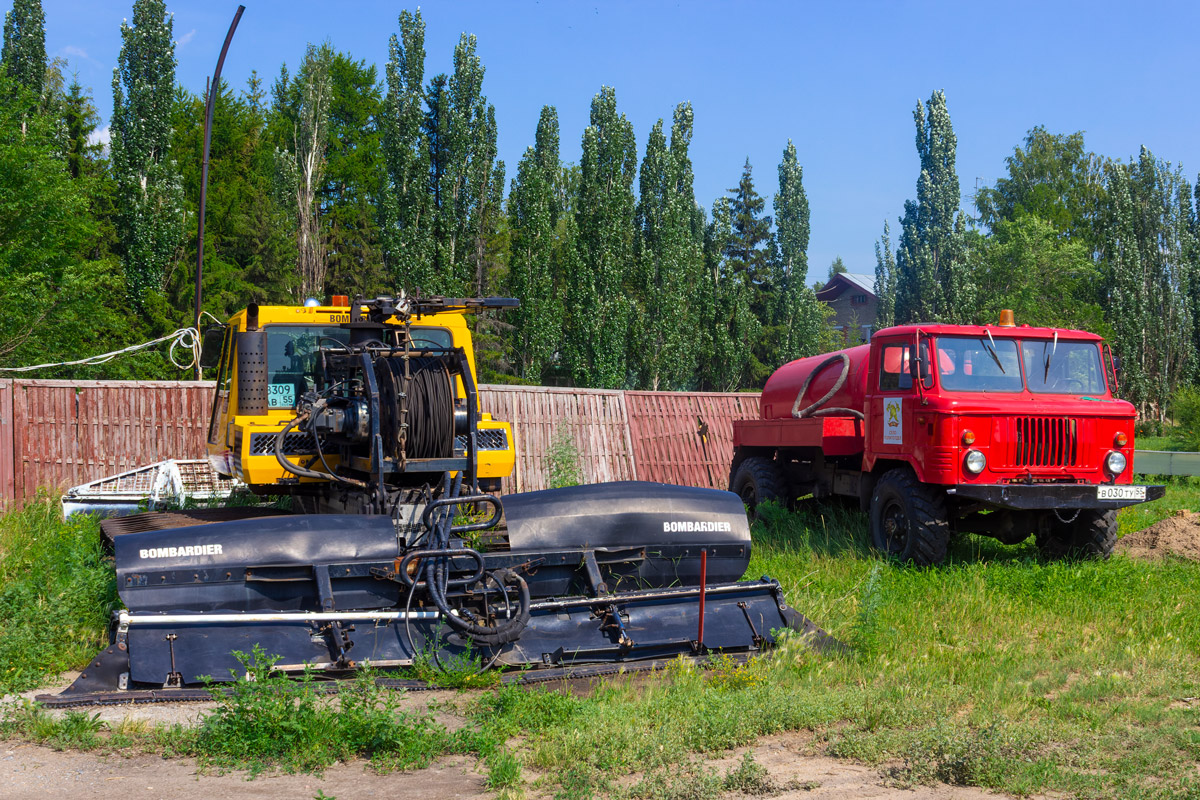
x,y
941,429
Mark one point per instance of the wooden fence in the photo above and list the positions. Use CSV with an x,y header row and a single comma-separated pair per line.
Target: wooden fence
x,y
55,434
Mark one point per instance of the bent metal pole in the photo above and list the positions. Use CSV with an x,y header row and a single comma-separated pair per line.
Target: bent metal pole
x,y
208,119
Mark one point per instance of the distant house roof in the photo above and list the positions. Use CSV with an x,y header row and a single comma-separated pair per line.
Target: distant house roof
x,y
838,283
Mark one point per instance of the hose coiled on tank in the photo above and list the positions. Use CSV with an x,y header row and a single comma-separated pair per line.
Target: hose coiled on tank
x,y
815,409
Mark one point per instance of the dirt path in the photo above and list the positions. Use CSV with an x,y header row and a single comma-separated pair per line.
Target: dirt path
x,y
29,771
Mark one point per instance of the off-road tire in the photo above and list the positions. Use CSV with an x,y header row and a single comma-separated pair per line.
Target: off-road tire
x,y
908,519
757,480
1091,535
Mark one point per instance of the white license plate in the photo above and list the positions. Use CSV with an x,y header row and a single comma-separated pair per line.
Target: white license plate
x,y
1120,492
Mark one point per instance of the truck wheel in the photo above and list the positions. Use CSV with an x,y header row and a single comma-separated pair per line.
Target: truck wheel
x,y
1093,534
908,519
756,480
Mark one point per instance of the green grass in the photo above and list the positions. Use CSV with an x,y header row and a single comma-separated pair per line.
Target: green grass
x,y
56,594
996,669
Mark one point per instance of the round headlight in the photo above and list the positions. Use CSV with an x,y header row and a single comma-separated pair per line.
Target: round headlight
x,y
1115,463
976,461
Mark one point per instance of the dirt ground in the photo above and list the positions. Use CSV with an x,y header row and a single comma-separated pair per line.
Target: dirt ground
x,y
1177,535
29,771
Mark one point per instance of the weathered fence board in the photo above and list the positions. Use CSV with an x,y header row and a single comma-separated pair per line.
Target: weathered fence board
x,y
594,422
8,478
66,432
686,437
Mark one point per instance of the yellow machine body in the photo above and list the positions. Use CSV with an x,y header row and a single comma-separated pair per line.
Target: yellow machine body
x,y
242,446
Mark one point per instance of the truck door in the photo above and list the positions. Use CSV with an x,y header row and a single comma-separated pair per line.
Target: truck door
x,y
890,429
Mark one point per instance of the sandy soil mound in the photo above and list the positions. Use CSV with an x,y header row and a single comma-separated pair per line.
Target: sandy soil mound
x,y
1177,535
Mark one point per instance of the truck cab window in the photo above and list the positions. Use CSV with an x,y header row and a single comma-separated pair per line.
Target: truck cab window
x,y
895,373
978,364
1069,368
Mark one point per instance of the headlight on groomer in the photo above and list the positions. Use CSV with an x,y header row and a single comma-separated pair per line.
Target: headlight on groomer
x,y
1115,463
976,461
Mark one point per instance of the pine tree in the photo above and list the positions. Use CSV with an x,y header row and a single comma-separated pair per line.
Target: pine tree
x,y
734,328
80,120
406,208
24,51
932,284
670,261
885,280
149,194
597,333
533,208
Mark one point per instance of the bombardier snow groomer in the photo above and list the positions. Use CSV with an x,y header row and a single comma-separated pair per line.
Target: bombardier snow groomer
x,y
1000,430
398,548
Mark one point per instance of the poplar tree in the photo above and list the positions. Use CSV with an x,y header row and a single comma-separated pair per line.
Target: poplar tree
x,y
149,196
23,55
670,261
932,284
533,218
405,209
802,317
598,313
1147,249
885,280
466,180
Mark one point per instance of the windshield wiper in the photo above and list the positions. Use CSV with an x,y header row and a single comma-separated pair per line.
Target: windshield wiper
x,y
1048,357
991,348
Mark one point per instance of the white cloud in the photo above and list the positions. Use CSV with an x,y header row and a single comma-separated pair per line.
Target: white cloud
x,y
101,137
187,37
77,53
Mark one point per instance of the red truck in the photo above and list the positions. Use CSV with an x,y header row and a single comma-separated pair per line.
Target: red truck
x,y
940,429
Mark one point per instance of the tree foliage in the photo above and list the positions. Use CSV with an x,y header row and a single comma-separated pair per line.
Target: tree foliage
x,y
23,56
596,342
149,197
932,283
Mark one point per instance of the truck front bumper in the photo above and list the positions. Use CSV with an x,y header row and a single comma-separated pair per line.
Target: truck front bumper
x,y
1034,497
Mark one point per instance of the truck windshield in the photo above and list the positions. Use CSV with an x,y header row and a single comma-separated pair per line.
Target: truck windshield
x,y
292,356
975,364
1069,368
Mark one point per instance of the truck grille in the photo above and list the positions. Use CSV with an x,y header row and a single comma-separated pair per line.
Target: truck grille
x,y
1046,442
296,443
485,439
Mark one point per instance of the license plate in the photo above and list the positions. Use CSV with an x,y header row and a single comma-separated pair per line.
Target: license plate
x,y
1120,492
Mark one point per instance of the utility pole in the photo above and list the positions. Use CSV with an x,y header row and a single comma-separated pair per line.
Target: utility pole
x,y
210,92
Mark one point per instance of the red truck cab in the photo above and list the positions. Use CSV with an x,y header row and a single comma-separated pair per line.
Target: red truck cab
x,y
1000,430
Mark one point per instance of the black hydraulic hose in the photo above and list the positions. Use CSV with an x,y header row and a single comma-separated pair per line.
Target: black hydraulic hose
x,y
437,579
298,470
815,409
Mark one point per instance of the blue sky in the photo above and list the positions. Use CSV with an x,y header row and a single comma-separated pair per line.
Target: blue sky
x,y
840,79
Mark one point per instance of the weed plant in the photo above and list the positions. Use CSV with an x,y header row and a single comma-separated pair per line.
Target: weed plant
x,y
265,720
57,591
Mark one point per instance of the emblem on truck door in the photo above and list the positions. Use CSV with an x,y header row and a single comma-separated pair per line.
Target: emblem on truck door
x,y
893,421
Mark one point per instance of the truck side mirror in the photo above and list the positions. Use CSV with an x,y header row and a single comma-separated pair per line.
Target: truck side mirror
x,y
210,346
